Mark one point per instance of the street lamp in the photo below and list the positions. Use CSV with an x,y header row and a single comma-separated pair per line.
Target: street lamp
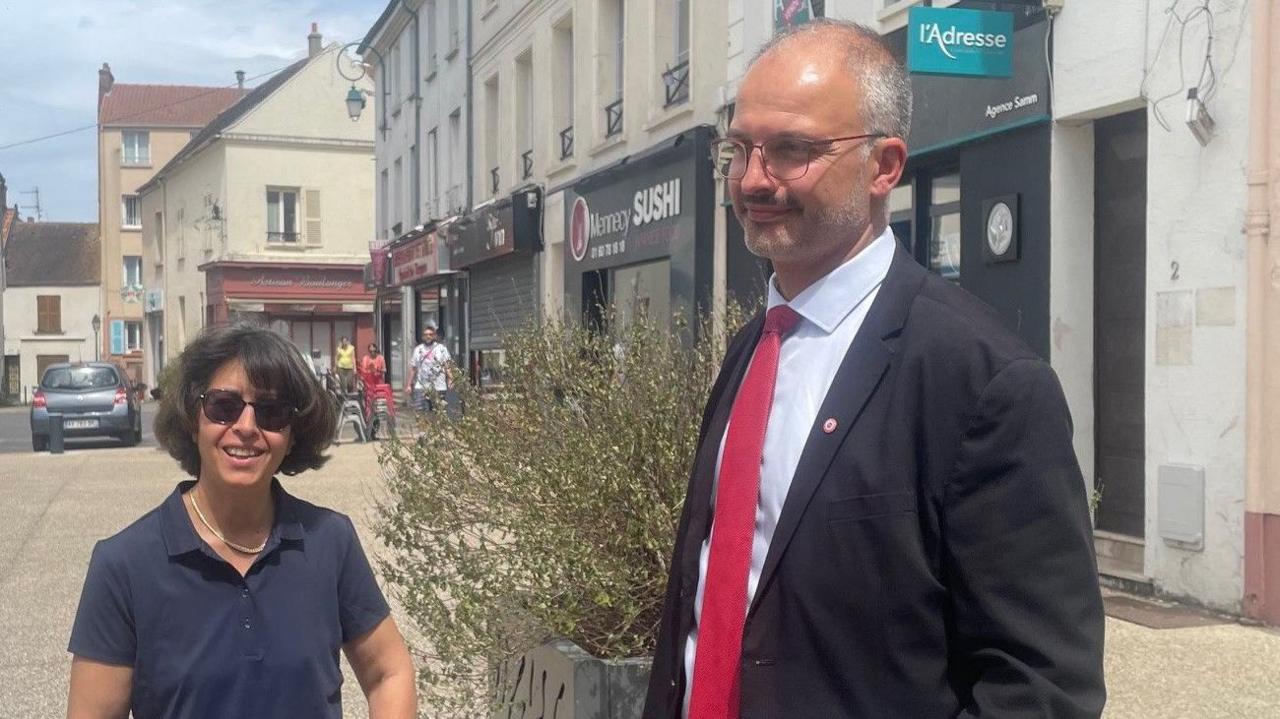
x,y
97,325
355,96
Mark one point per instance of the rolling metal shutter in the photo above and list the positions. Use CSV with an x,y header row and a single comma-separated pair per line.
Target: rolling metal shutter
x,y
504,297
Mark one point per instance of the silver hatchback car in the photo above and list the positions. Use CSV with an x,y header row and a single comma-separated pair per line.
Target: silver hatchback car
x,y
95,399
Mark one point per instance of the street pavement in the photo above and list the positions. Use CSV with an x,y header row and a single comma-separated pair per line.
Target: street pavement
x,y
1199,666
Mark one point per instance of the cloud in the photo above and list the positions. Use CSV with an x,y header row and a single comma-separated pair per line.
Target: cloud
x,y
51,83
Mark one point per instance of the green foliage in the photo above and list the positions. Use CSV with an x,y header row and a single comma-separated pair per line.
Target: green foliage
x,y
549,509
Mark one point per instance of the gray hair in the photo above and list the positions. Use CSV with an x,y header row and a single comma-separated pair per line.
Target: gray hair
x,y
886,88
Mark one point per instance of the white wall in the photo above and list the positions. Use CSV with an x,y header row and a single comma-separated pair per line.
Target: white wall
x,y
79,304
1195,214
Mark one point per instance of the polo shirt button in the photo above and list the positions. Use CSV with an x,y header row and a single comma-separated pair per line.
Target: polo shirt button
x,y
246,624
244,592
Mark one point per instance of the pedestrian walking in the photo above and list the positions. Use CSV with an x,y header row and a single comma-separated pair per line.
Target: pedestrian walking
x,y
373,365
233,597
885,516
430,372
346,365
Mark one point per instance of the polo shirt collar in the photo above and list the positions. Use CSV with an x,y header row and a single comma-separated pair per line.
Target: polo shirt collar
x,y
180,537
828,301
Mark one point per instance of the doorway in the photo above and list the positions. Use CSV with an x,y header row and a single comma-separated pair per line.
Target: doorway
x,y
1120,260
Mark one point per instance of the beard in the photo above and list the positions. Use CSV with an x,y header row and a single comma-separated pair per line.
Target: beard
x,y
807,235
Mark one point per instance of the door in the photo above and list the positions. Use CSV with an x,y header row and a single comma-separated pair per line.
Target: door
x,y
643,293
1120,259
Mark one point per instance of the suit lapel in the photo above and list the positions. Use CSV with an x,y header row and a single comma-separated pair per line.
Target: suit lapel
x,y
859,376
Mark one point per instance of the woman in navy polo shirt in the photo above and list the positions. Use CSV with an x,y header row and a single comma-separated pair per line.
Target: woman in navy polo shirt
x,y
232,598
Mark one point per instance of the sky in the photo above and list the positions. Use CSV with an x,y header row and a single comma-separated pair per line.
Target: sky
x,y
53,49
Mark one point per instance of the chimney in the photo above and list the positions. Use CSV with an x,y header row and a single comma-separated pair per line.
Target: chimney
x,y
105,81
313,41
240,79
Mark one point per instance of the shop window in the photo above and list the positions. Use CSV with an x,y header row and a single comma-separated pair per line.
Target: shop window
x,y
282,216
944,234
901,212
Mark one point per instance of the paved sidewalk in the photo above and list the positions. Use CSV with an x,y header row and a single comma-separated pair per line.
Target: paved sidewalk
x,y
56,507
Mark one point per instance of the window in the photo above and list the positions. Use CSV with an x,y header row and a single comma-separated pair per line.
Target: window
x,y
563,99
672,35
132,271
524,113
131,211
395,77
136,147
611,44
133,336
491,109
454,196
159,230
433,28
384,202
944,239
282,216
415,173
433,179
454,39
397,196
48,314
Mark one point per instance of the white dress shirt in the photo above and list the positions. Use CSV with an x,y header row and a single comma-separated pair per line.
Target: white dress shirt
x,y
832,311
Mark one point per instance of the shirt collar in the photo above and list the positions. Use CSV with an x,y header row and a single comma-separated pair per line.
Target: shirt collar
x,y
828,301
180,537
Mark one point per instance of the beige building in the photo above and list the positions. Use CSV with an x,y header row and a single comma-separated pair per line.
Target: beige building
x,y
50,299
265,215
140,128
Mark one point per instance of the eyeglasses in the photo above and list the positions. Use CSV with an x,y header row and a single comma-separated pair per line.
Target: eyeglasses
x,y
784,158
225,407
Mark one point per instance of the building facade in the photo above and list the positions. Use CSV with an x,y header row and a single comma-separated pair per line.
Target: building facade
x,y
51,300
265,216
140,128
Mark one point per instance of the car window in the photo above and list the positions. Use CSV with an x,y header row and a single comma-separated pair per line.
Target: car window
x,y
79,378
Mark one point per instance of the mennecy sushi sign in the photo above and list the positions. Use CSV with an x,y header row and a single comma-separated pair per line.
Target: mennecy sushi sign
x,y
947,41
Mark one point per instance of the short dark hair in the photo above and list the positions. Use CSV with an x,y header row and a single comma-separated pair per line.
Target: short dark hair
x,y
271,363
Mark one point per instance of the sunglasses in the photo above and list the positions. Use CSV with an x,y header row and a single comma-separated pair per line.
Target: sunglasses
x,y
225,407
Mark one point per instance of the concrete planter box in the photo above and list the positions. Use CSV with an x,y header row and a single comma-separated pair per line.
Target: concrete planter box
x,y
559,680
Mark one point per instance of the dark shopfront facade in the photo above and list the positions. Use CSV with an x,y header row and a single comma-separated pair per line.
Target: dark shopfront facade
x,y
419,294
973,204
640,234
497,246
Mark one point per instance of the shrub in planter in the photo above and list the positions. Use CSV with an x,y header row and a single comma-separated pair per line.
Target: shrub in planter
x,y
549,509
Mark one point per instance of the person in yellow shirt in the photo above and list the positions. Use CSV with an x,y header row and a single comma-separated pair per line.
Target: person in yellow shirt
x,y
347,365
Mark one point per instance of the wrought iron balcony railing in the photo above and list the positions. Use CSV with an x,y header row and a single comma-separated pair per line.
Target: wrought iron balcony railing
x,y
566,143
676,81
282,237
494,181
527,158
613,118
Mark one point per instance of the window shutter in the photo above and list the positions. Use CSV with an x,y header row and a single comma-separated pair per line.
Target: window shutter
x,y
313,217
117,337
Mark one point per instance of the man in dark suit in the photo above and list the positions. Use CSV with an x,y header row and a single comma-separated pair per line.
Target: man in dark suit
x,y
885,517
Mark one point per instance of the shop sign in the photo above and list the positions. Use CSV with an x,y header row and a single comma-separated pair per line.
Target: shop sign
x,y
949,111
949,41
314,282
415,260
513,224
610,231
257,281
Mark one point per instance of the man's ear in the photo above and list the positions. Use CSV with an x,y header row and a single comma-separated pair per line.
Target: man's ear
x,y
889,159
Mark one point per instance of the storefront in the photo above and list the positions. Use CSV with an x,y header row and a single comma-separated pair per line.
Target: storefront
x,y
419,294
640,235
497,247
973,204
315,305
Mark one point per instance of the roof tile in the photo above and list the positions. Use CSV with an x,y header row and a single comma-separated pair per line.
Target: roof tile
x,y
165,105
52,254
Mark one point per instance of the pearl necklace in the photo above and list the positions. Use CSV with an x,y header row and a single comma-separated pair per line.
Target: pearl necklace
x,y
238,547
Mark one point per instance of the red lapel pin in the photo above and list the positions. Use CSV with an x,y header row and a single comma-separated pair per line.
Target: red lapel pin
x,y
830,425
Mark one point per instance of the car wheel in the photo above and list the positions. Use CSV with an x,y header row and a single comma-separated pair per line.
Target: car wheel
x,y
39,443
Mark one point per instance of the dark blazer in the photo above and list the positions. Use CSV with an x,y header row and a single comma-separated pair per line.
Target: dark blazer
x,y
934,557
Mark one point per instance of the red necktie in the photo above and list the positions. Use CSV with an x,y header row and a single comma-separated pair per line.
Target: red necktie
x,y
716,672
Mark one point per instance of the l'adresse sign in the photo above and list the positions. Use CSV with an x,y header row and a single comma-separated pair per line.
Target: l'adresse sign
x,y
948,41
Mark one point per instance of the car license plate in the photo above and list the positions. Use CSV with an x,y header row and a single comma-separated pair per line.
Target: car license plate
x,y
80,423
